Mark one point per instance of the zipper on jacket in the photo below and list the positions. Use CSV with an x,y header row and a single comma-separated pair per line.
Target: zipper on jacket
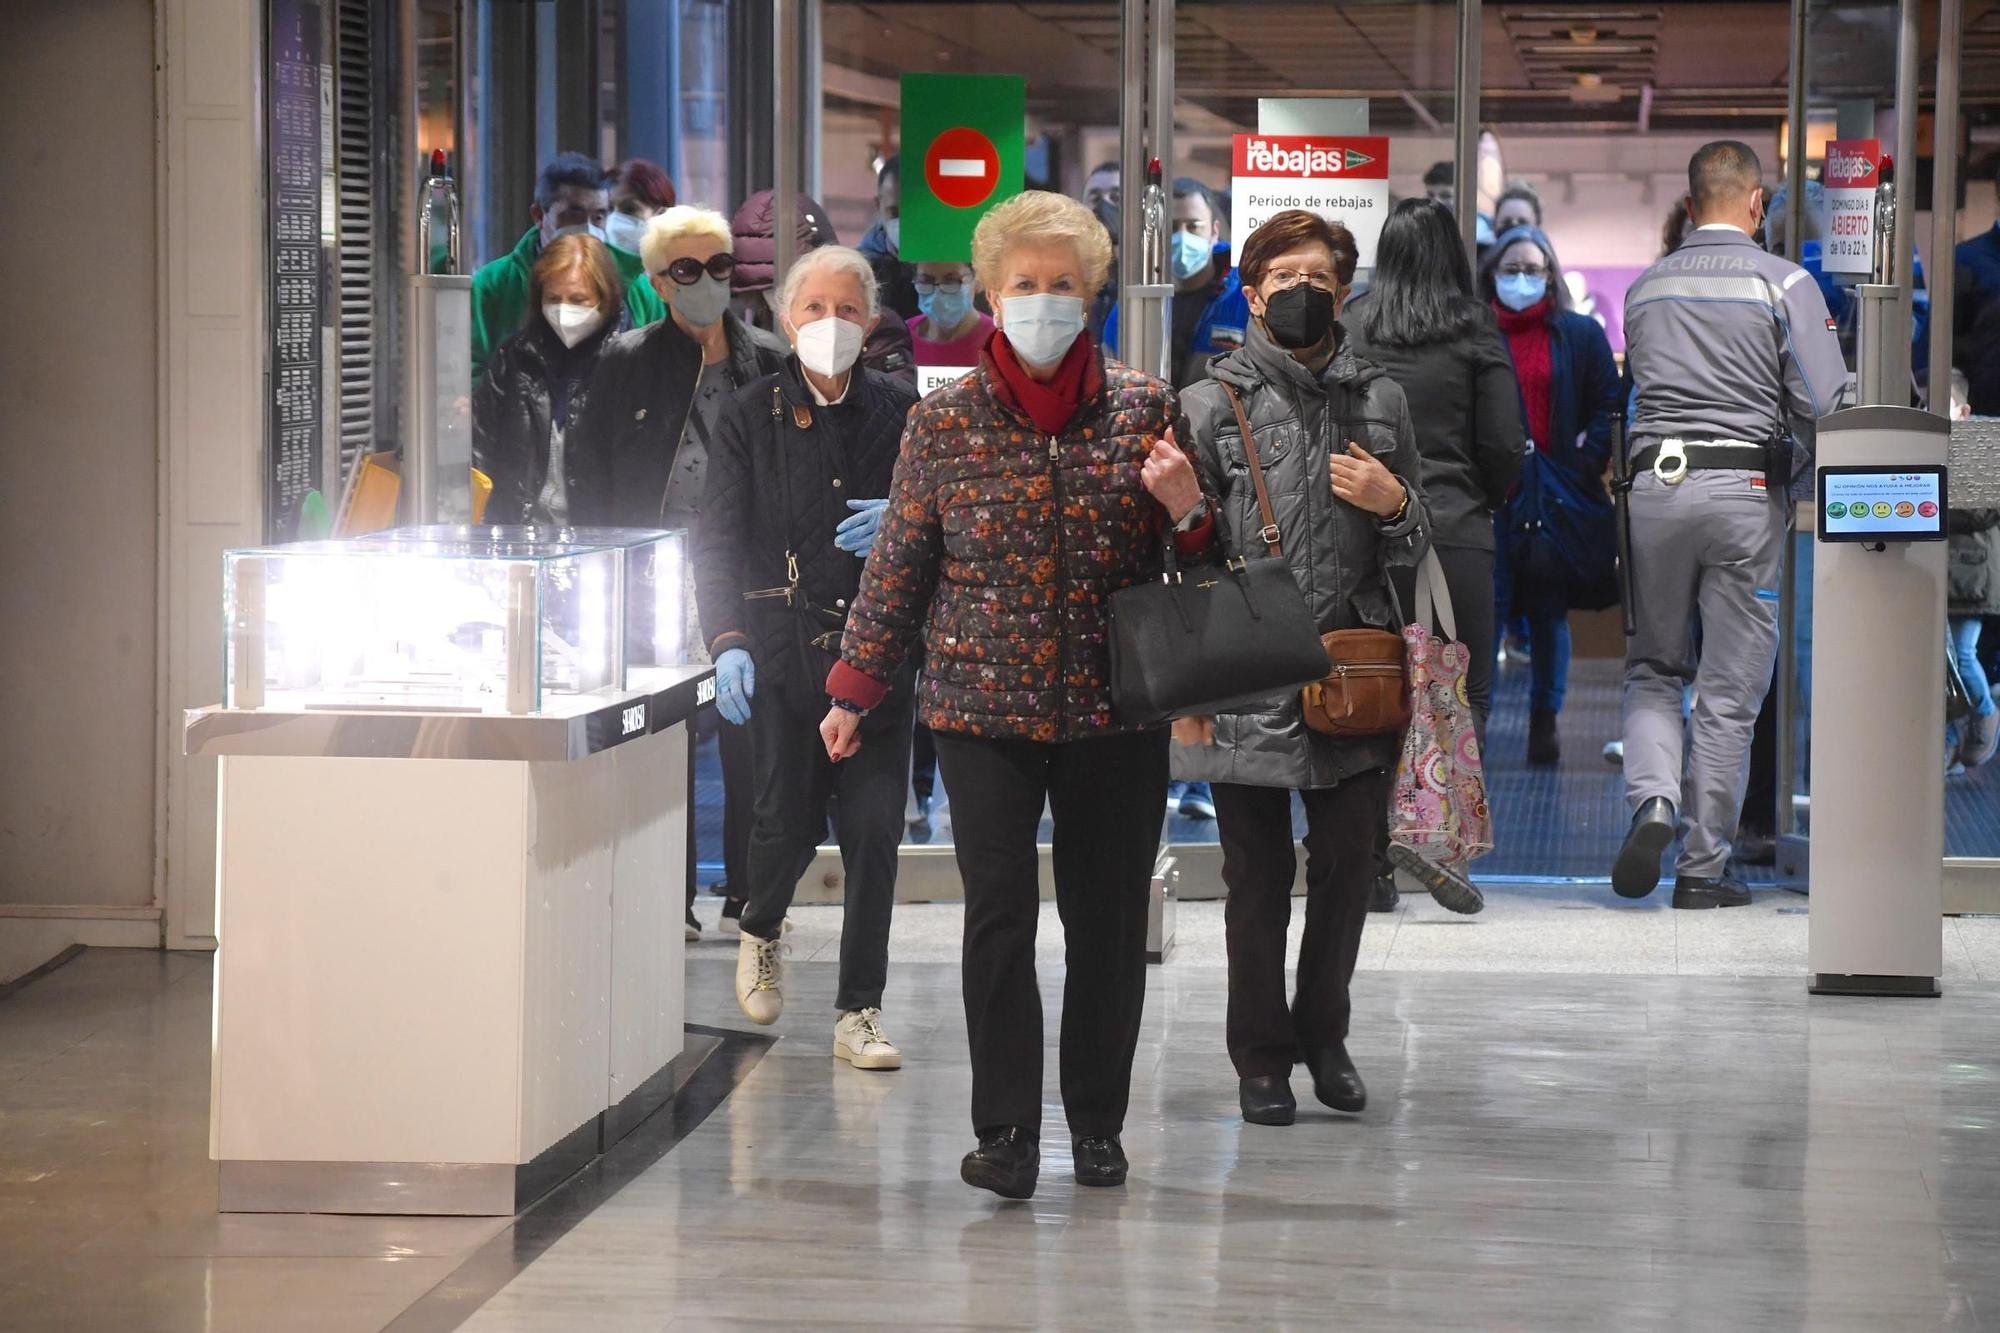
x,y
1062,593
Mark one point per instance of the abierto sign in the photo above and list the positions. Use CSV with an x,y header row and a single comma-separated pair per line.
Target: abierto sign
x,y
1853,170
1343,179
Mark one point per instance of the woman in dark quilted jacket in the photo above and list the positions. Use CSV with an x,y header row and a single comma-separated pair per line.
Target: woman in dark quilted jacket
x,y
1337,459
1025,495
534,383
797,481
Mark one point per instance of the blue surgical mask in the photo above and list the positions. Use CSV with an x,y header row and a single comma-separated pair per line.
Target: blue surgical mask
x,y
1191,254
625,231
946,309
893,228
1518,291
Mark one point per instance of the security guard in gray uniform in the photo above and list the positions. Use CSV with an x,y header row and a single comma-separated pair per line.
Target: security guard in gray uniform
x,y
1734,358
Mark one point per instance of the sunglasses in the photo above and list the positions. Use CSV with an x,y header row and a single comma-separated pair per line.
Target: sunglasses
x,y
687,272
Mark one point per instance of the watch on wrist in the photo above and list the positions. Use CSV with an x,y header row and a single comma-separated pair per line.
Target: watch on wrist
x,y
849,706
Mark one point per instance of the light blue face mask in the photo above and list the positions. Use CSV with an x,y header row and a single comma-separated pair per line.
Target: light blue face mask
x,y
946,309
1518,291
1191,254
590,229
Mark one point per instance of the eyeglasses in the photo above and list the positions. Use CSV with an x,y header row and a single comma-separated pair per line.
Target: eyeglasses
x,y
930,287
1284,279
1523,271
687,272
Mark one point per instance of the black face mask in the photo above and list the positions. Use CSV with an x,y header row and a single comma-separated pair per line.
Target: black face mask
x,y
1299,317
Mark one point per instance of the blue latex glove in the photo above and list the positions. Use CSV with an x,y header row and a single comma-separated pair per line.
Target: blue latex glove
x,y
856,532
735,683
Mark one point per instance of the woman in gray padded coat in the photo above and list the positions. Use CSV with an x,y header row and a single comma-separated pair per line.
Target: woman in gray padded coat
x,y
1339,459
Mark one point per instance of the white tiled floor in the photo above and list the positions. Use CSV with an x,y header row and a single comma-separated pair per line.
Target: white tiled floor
x,y
1573,929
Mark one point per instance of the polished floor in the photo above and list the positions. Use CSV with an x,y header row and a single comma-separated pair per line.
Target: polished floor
x,y
1569,1149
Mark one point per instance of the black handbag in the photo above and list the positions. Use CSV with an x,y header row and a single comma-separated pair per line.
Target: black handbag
x,y
1211,639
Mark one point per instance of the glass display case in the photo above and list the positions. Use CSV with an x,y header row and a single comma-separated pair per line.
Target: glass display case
x,y
452,619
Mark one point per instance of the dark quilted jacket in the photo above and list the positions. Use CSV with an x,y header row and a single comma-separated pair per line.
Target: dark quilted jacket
x,y
525,378
1001,547
775,486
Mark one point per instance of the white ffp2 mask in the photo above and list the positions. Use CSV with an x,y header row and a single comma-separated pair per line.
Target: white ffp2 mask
x,y
572,323
1041,328
828,346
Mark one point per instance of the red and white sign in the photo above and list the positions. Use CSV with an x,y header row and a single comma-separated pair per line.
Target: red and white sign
x,y
962,167
1853,170
1343,179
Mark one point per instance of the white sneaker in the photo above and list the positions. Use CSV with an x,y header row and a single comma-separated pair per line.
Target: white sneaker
x,y
858,1039
760,975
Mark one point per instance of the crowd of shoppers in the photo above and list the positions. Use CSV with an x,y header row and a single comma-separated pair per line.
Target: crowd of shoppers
x,y
896,592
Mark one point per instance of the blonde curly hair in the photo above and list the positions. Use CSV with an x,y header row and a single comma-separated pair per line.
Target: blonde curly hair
x,y
1037,217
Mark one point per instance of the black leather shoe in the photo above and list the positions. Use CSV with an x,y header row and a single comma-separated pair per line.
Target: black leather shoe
x,y
1334,1081
1382,894
1637,870
1099,1161
1007,1161
1691,892
1267,1099
1544,741
921,828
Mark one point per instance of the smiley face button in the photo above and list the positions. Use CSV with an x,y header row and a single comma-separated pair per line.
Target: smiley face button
x,y
1883,509
1836,509
1906,510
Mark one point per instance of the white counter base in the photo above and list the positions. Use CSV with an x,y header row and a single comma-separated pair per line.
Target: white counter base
x,y
436,976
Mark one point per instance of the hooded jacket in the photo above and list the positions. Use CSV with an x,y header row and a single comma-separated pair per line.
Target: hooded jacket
x,y
621,447
1339,554
500,295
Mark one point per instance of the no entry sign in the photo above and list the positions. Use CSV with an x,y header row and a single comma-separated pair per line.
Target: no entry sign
x,y
963,148
1853,170
1344,180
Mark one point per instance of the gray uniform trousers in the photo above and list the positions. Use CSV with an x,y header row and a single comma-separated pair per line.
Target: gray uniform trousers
x,y
1709,547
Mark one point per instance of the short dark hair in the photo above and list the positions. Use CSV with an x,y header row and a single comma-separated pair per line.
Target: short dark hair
x,y
1286,231
1118,167
1422,290
1187,187
648,182
1720,171
1441,173
891,169
565,170
1526,193
1489,267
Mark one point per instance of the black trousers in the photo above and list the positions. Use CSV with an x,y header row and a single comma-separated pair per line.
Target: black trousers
x,y
1259,861
923,763
795,783
1107,796
739,795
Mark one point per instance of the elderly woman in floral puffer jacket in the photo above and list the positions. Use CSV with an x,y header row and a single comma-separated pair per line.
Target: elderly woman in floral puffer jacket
x,y
1026,494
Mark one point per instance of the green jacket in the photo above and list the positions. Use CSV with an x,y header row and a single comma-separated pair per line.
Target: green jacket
x,y
500,296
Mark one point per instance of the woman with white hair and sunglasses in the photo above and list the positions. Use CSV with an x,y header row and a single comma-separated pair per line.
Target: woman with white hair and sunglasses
x,y
796,488
639,448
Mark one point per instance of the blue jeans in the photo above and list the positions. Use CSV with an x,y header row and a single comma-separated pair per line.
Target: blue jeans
x,y
1965,643
1548,672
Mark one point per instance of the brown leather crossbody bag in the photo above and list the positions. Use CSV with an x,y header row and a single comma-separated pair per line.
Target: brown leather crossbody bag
x,y
1366,688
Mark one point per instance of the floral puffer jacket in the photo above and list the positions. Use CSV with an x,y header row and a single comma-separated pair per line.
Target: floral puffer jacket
x,y
1002,546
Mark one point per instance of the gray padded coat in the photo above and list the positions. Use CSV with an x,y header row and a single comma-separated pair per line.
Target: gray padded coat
x,y
1338,553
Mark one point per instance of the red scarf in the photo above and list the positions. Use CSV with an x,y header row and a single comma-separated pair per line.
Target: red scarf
x,y
1079,379
1530,344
